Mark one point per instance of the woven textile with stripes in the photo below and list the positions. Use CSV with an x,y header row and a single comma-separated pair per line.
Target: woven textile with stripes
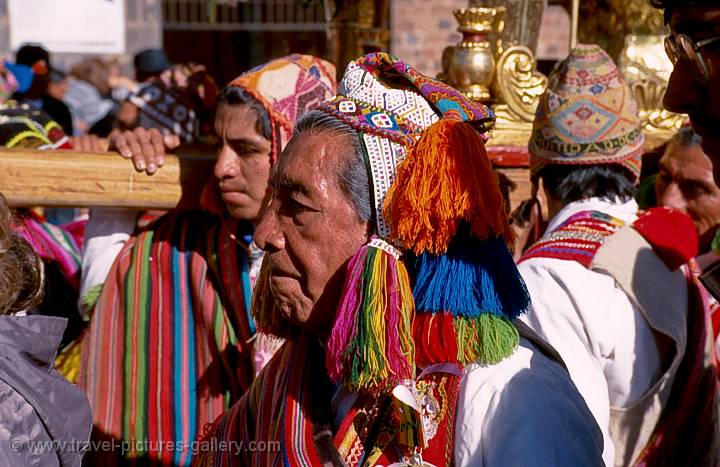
x,y
576,239
167,351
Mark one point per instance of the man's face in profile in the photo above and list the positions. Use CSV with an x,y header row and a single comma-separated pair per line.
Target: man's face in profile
x,y
686,93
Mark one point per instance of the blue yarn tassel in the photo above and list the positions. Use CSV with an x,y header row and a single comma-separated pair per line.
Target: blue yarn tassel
x,y
474,277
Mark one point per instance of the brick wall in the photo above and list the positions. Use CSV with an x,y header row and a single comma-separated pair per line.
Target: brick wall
x,y
421,29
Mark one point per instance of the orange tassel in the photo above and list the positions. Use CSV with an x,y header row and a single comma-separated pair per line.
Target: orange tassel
x,y
446,177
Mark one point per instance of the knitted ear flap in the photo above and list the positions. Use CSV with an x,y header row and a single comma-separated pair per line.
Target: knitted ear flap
x,y
445,204
371,346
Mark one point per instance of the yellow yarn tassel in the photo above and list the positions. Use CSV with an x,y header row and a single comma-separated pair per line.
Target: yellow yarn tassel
x,y
371,345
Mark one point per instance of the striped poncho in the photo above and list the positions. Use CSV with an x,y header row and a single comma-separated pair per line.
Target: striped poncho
x,y
167,351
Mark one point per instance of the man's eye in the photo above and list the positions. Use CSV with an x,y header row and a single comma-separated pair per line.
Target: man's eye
x,y
298,206
694,190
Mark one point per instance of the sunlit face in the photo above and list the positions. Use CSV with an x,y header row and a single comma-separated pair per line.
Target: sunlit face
x,y
685,94
243,162
310,231
685,182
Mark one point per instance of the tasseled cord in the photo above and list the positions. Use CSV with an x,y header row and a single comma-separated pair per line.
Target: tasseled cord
x,y
445,204
370,347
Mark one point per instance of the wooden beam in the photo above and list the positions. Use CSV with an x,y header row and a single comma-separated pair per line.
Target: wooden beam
x,y
82,179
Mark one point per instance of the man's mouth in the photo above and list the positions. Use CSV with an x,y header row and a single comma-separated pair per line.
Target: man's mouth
x,y
233,196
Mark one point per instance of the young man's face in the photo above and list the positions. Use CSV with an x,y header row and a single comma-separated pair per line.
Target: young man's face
x,y
243,162
686,93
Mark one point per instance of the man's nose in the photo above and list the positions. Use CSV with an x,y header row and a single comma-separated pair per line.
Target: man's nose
x,y
683,91
672,197
268,235
226,164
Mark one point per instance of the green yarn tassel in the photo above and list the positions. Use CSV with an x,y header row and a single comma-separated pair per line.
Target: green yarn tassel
x,y
487,339
90,298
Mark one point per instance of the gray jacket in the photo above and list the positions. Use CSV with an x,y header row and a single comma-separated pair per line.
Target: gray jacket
x,y
44,420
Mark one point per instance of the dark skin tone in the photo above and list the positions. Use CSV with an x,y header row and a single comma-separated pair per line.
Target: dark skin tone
x,y
686,94
310,231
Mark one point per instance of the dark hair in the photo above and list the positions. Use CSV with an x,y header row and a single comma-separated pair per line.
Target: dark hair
x,y
29,54
233,95
354,178
21,271
569,183
685,137
670,5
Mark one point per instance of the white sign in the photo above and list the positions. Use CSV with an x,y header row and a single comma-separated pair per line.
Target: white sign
x,y
69,26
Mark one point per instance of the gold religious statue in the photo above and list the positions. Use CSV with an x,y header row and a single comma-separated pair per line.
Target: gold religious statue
x,y
495,64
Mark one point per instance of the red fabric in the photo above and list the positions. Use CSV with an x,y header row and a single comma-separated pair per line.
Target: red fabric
x,y
577,239
77,230
671,233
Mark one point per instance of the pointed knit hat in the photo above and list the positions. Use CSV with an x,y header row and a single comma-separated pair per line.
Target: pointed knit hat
x,y
588,116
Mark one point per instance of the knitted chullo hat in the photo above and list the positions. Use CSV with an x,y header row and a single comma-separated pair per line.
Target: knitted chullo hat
x,y
588,116
439,211
286,88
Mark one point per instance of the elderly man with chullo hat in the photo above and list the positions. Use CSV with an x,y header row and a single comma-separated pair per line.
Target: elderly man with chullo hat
x,y
607,284
388,272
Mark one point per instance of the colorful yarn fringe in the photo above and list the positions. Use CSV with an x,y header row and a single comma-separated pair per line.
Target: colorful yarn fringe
x,y
371,342
442,337
473,278
445,178
445,204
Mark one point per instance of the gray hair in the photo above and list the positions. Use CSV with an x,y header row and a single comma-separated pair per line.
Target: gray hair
x,y
353,178
686,137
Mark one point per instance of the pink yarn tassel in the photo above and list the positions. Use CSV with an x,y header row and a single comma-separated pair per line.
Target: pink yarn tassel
x,y
345,327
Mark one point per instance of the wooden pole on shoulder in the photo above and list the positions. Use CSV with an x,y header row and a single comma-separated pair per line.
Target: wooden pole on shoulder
x,y
85,179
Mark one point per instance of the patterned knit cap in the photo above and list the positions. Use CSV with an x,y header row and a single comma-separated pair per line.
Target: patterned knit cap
x,y
391,104
181,101
288,87
588,116
23,127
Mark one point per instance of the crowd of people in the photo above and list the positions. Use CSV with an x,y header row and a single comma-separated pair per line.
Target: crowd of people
x,y
351,288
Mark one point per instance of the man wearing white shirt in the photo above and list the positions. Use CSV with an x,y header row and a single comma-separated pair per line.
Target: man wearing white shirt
x,y
605,285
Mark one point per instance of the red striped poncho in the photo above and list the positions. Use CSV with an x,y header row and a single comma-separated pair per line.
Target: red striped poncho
x,y
167,351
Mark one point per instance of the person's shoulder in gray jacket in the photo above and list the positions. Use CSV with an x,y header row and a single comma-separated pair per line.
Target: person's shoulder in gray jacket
x,y
44,420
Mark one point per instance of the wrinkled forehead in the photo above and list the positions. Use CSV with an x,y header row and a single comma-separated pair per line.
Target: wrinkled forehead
x,y
310,159
687,159
696,20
